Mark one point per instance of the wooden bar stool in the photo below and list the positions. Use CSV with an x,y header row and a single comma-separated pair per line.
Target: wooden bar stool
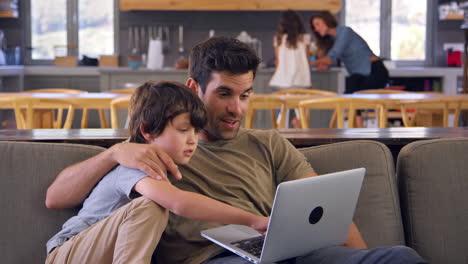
x,y
338,104
129,91
263,101
24,108
118,103
53,118
443,104
285,115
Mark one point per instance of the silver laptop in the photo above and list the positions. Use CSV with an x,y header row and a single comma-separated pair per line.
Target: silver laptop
x,y
307,214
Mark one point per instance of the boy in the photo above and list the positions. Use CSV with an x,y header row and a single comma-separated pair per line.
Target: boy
x,y
110,226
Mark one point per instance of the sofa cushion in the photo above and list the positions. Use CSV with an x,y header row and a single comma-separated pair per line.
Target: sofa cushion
x,y
433,182
378,212
26,171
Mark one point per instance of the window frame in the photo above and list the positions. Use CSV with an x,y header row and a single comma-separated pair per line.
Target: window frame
x,y
386,32
72,30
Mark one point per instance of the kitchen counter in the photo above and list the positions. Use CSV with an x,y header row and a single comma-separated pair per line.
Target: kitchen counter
x,y
48,70
425,71
11,78
451,77
11,70
61,70
173,70
90,70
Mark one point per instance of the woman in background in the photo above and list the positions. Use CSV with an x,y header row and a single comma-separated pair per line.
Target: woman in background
x,y
292,50
337,42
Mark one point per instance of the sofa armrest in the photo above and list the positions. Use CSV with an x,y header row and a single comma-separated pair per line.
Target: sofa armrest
x,y
26,171
433,183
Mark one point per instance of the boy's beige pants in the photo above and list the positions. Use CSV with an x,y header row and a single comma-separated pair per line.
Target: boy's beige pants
x,y
129,235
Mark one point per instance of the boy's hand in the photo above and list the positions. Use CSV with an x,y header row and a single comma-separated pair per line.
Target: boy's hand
x,y
147,158
260,224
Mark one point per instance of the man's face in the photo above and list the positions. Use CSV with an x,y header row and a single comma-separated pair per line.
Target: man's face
x,y
226,99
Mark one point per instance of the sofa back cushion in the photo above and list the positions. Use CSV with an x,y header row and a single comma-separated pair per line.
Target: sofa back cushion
x,y
26,171
433,182
378,212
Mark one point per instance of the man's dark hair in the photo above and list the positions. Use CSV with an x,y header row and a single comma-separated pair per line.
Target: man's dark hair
x,y
221,54
155,103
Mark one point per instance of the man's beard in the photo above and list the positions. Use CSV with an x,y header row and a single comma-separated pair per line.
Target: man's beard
x,y
215,131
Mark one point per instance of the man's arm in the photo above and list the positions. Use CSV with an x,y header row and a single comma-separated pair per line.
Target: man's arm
x,y
312,174
197,206
74,183
354,239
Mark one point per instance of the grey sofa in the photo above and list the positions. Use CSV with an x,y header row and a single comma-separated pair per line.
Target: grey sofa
x,y
433,184
27,169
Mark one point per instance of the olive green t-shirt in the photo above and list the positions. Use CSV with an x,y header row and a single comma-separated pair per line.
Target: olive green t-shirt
x,y
242,172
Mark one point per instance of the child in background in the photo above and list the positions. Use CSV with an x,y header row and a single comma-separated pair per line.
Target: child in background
x,y
292,52
170,116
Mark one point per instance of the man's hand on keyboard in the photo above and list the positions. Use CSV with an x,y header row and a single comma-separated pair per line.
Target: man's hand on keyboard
x,y
261,224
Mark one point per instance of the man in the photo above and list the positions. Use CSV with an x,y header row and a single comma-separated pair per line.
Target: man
x,y
236,166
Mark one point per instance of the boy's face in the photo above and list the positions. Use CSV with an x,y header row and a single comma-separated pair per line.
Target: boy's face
x,y
179,139
226,99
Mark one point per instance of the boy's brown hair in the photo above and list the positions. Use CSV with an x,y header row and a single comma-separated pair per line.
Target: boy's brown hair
x,y
155,103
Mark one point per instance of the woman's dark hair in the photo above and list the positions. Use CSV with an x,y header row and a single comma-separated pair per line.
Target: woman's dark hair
x,y
155,103
291,25
324,43
221,54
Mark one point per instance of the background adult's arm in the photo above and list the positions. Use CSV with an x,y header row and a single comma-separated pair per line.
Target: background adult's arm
x,y
74,183
343,37
322,63
276,57
342,40
196,206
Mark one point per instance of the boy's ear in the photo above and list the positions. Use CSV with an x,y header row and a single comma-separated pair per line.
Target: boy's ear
x,y
148,137
193,85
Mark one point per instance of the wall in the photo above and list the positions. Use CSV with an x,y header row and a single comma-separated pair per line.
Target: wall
x,y
14,28
197,24
448,31
261,24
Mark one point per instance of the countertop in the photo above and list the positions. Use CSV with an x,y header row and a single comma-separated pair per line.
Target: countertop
x,y
88,70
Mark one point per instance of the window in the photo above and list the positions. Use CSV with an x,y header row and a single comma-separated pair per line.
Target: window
x,y
48,27
367,23
96,27
395,29
71,27
408,30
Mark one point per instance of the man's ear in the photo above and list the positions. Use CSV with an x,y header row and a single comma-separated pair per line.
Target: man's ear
x,y
148,137
193,85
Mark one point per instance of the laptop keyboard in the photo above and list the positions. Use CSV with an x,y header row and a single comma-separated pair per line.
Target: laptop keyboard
x,y
251,245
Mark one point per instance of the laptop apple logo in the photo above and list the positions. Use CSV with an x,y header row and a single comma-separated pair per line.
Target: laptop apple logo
x,y
316,215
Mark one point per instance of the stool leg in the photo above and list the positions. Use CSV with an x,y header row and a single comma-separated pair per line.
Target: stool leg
x,y
102,118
